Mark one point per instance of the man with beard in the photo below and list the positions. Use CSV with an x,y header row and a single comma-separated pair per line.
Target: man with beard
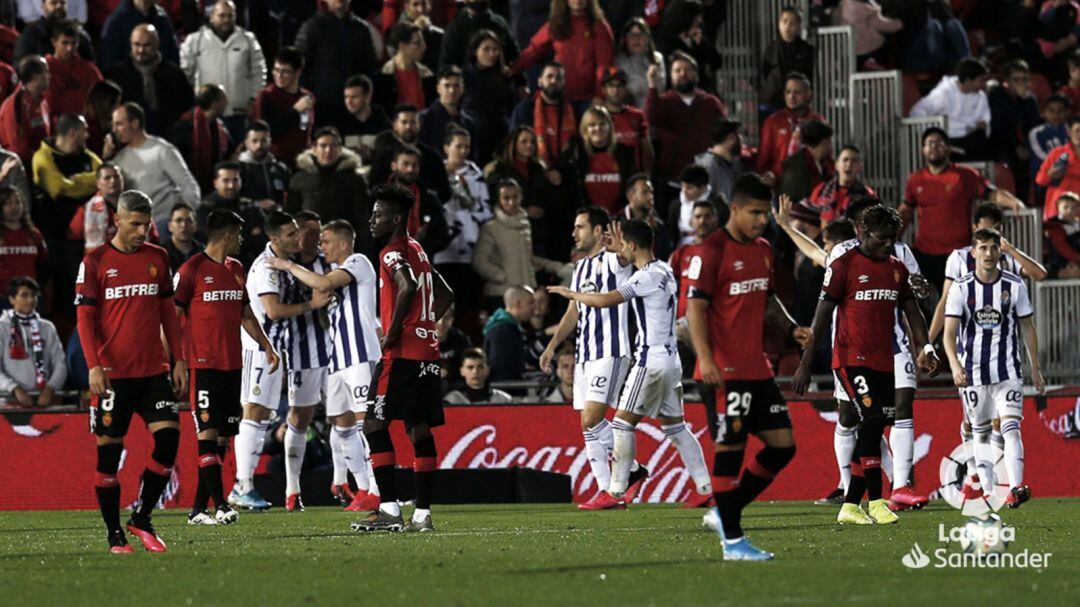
x,y
131,14
681,118
723,160
36,37
264,177
426,220
831,198
631,128
549,113
151,80
227,194
405,130
780,133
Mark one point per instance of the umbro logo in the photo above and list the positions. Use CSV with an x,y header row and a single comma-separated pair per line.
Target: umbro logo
x,y
208,280
863,279
112,273
738,265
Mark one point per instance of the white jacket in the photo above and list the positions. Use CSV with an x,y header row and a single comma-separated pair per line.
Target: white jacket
x,y
237,64
964,110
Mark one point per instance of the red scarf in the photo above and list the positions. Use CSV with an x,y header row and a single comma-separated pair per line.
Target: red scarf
x,y
549,145
522,167
202,155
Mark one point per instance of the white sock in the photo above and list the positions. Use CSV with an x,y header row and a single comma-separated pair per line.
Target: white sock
x,y
1014,451
295,446
598,453
354,453
420,514
968,453
624,453
369,483
690,451
997,440
844,447
984,458
886,462
247,454
341,469
902,441
391,508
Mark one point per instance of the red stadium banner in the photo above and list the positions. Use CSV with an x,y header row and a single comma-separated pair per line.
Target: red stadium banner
x,y
56,469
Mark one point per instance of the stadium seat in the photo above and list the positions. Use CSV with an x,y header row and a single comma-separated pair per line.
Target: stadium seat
x,y
1040,87
909,90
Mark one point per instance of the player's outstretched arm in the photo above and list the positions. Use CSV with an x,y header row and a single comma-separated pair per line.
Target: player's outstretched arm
x,y
778,316
822,319
275,310
806,244
406,291
444,295
1031,268
925,356
938,321
1006,200
593,300
325,282
1031,340
952,324
255,330
566,326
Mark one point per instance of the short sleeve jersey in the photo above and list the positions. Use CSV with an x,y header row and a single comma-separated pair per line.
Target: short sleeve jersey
x,y
736,278
867,292
214,296
961,263
21,251
651,292
127,289
988,342
943,206
352,316
264,280
418,340
686,264
631,127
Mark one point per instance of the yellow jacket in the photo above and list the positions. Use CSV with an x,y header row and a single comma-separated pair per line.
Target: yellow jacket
x,y
48,177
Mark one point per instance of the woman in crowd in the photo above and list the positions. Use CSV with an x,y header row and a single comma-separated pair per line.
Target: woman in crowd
x,y
103,98
490,94
18,234
403,79
595,167
518,161
683,29
636,54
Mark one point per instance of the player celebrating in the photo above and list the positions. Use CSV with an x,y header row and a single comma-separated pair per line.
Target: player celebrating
x,y
273,298
654,387
412,297
864,285
984,312
124,295
602,350
730,299
355,351
210,298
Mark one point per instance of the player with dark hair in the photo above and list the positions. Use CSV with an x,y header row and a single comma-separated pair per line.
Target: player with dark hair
x,y
730,300
865,285
413,296
124,294
213,305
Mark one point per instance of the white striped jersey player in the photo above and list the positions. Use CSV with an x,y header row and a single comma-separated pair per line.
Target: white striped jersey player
x,y
258,384
307,344
961,263
988,340
602,342
355,341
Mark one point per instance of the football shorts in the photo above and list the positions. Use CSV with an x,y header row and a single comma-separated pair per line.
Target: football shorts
x,y
215,400
409,390
599,381
750,407
347,389
983,403
903,369
307,386
151,397
259,385
653,392
875,391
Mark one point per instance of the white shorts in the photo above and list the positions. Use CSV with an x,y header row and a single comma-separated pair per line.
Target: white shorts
x,y
599,381
257,384
347,390
903,370
306,386
653,392
983,403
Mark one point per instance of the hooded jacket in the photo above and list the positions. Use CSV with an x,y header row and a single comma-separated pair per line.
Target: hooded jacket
x,y
337,191
236,63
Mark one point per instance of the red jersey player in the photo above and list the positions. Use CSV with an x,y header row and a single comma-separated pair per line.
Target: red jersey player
x,y
730,299
864,286
210,297
124,295
412,296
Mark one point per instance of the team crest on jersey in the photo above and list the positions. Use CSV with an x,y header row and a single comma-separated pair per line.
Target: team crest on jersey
x,y
1004,297
256,390
153,271
106,420
205,416
867,401
896,276
736,424
588,287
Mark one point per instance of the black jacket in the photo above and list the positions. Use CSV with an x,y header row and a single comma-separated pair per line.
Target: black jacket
x,y
263,180
334,192
386,88
432,169
460,30
781,58
334,49
433,122
35,40
174,93
489,97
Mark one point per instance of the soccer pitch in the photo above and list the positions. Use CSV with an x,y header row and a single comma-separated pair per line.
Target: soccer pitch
x,y
530,555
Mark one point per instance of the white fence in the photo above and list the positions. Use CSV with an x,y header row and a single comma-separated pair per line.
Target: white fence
x,y
1024,230
1058,321
834,65
875,120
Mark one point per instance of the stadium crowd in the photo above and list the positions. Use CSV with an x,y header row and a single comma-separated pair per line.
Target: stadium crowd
x,y
502,118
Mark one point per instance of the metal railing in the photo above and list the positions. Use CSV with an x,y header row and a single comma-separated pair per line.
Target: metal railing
x,y
876,106
834,51
1057,320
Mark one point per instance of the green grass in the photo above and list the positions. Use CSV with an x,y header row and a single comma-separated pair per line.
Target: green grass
x,y
528,555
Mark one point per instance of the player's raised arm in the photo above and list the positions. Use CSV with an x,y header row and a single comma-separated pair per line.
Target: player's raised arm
x,y
275,310
594,300
255,330
779,317
806,244
822,319
1030,267
323,282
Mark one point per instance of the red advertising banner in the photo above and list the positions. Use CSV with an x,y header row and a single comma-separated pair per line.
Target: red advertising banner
x,y
56,469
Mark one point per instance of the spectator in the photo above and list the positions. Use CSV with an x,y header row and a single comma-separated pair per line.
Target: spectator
x,y
723,160
201,136
363,121
225,54
693,188
1045,137
635,55
287,108
70,76
934,40
962,99
631,128
504,254
154,82
781,132
405,130
1014,112
36,36
595,166
830,199
549,114
22,248
1062,235
8,80
452,345
418,13
446,109
582,42
640,205
703,221
942,194
427,223
116,32
788,53
490,94
869,27
328,181
264,177
31,354
12,174
465,212
564,372
683,31
25,118
336,44
403,79
475,15
1071,89
504,335
181,244
680,118
811,165
94,222
103,98
1060,171
474,373
518,161
152,165
228,194
1058,33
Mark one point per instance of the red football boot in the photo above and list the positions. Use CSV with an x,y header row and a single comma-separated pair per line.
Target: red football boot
x,y
364,501
698,500
1018,495
635,483
118,544
143,530
293,503
905,497
603,501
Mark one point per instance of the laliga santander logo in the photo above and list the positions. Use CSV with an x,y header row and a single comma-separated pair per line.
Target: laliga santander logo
x,y
668,481
916,559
